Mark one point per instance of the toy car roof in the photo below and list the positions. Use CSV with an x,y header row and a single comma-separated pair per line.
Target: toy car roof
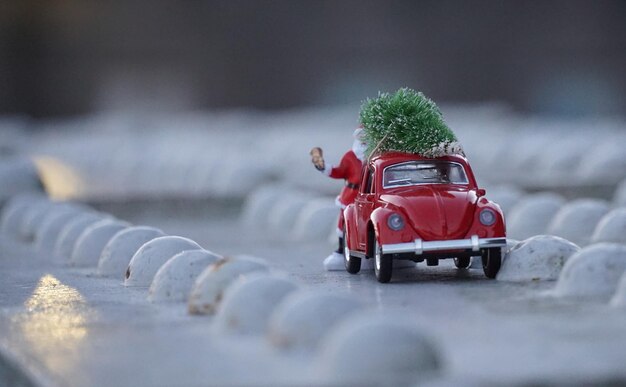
x,y
403,156
389,158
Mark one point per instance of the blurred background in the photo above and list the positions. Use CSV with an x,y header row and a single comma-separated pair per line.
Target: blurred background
x,y
196,102
68,57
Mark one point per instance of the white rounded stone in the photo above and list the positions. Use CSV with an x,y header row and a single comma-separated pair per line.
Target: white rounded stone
x,y
175,278
208,289
577,219
592,272
48,234
14,210
70,233
18,176
34,219
566,160
525,148
611,227
92,241
152,255
510,244
120,249
31,218
258,205
619,298
506,196
541,257
316,219
604,163
286,210
52,224
477,262
532,215
302,318
373,349
249,302
237,179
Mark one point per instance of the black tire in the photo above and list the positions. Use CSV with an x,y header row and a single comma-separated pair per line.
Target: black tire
x,y
383,264
353,264
492,259
462,262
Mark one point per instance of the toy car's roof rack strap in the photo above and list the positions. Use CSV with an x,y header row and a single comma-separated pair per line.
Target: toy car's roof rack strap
x,y
373,152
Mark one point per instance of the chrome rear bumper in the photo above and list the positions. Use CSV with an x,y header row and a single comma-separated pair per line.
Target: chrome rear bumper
x,y
419,247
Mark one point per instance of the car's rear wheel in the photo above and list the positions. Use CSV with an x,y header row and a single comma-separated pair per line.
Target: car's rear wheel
x,y
462,262
492,259
353,264
383,264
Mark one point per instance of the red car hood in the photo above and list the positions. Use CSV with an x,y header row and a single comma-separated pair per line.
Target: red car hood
x,y
436,212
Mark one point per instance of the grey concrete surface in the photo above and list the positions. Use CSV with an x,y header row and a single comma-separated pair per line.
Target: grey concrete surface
x,y
75,329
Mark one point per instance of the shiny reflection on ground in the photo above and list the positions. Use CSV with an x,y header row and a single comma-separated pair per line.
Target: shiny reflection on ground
x,y
445,272
409,285
53,323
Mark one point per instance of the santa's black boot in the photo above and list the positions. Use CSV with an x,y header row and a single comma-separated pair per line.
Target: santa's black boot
x,y
340,248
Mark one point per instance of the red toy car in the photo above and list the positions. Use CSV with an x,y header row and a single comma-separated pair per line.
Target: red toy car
x,y
416,208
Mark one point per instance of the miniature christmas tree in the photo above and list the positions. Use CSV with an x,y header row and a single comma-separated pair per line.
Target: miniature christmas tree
x,y
407,121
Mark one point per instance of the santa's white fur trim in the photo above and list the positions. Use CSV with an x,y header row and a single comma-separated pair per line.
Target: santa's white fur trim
x,y
359,147
339,204
358,134
327,170
339,232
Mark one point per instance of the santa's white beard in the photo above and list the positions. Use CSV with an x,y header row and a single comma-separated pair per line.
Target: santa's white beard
x,y
359,149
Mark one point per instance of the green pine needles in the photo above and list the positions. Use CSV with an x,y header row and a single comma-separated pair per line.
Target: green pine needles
x,y
406,121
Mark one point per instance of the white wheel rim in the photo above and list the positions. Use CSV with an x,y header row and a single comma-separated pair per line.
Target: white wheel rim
x,y
377,255
346,250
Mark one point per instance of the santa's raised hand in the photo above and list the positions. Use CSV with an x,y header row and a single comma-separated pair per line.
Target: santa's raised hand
x,y
317,158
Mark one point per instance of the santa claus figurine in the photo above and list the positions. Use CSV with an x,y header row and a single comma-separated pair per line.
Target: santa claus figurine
x,y
349,169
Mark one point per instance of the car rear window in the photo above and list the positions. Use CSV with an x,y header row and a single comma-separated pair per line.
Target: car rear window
x,y
424,172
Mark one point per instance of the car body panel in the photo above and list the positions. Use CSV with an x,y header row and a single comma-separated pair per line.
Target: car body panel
x,y
431,212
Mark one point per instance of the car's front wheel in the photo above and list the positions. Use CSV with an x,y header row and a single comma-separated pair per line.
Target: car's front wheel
x,y
353,264
383,264
492,259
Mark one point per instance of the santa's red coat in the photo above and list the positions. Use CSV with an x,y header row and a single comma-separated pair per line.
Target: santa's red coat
x,y
349,168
